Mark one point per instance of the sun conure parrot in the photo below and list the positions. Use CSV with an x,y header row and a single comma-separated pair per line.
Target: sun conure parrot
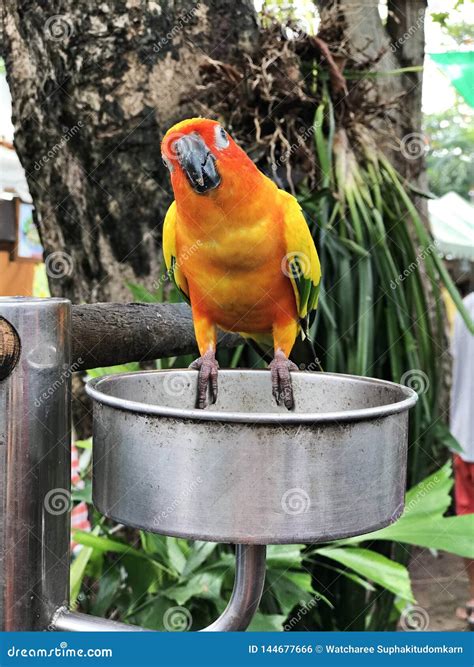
x,y
239,250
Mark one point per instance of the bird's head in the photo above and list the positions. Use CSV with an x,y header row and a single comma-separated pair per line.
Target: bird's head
x,y
201,156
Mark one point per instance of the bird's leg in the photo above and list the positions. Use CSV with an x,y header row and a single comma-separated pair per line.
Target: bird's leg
x,y
282,388
284,335
207,365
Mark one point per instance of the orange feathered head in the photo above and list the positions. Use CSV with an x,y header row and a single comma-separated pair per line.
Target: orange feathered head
x,y
201,156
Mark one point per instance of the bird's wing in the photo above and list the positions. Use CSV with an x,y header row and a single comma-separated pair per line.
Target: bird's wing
x,y
301,261
170,253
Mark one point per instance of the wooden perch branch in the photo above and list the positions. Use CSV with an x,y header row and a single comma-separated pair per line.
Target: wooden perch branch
x,y
106,334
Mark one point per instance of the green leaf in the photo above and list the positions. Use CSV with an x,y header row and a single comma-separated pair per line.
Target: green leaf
x,y
150,615
84,494
442,433
104,544
452,534
375,567
111,370
267,623
199,553
430,496
77,572
154,545
140,576
84,444
206,585
286,555
175,554
288,592
109,584
141,294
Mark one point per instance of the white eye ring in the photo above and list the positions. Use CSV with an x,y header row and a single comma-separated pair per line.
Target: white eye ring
x,y
168,164
221,137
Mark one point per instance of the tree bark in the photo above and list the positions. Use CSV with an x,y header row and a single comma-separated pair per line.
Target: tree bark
x,y
139,331
94,88
398,44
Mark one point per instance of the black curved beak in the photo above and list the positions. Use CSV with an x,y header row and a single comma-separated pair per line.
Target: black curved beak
x,y
197,162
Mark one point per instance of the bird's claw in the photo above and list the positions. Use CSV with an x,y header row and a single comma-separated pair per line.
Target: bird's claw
x,y
282,389
207,367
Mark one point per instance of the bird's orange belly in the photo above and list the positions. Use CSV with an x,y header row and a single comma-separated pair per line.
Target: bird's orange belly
x,y
248,301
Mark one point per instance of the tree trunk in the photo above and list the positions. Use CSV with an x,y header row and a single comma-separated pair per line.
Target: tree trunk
x,y
94,88
398,44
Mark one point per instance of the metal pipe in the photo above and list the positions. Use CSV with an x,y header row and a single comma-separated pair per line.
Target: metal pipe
x,y
35,460
244,601
248,589
73,621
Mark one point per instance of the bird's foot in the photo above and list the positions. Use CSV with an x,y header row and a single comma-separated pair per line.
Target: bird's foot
x,y
282,388
207,367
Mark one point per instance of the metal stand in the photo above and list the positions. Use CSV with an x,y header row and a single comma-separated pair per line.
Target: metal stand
x,y
35,478
248,588
35,461
269,475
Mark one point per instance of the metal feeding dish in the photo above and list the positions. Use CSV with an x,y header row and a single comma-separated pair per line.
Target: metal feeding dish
x,y
245,470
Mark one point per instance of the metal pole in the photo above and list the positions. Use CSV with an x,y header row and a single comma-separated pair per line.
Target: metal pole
x,y
73,621
34,460
246,595
248,589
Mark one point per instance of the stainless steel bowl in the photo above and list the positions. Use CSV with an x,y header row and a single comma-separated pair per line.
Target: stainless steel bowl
x,y
245,470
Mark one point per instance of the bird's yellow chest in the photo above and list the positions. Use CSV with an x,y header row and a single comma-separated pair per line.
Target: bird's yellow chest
x,y
233,269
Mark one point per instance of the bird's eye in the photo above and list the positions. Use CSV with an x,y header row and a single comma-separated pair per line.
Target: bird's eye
x,y
222,138
167,163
